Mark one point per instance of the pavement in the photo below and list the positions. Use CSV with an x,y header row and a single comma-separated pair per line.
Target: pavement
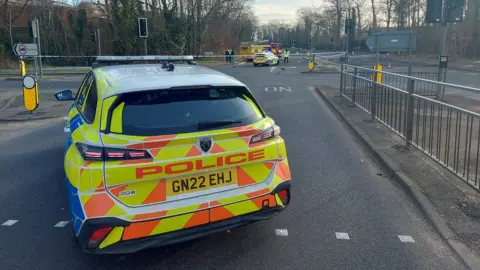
x,y
453,63
345,212
468,77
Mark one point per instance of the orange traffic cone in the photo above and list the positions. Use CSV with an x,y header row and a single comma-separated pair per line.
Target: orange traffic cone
x,y
389,66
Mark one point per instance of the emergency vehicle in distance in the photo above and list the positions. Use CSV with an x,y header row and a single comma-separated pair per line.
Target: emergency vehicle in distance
x,y
139,176
249,49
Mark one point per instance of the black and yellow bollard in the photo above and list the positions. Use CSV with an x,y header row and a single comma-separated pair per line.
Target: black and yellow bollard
x,y
30,93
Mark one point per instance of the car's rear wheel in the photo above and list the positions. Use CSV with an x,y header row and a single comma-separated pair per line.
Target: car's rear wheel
x,y
255,65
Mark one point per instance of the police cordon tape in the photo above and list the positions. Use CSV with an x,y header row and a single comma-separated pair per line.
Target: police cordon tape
x,y
322,55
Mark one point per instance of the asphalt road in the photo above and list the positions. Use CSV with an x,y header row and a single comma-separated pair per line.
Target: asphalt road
x,y
336,189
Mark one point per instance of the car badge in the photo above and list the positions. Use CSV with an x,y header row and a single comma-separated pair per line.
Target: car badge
x,y
205,144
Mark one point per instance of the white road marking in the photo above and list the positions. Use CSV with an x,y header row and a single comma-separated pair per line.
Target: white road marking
x,y
280,89
61,224
241,63
406,238
281,232
342,235
9,222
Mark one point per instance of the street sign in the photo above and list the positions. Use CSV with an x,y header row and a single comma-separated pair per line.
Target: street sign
x,y
392,41
33,29
25,49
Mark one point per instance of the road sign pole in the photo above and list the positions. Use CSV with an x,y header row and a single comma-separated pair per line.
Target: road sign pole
x,y
39,48
443,41
98,40
35,59
145,44
409,41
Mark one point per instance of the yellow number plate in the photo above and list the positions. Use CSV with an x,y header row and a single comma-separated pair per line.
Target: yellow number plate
x,y
188,184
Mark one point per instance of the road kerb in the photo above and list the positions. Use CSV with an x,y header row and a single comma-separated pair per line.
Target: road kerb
x,y
410,186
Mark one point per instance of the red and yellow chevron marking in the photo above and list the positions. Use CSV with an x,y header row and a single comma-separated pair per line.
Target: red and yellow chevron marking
x,y
121,172
91,176
240,208
154,191
100,204
146,192
159,226
219,211
282,172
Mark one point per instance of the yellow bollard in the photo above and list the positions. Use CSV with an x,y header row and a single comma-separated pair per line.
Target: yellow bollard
x,y
23,69
30,93
379,75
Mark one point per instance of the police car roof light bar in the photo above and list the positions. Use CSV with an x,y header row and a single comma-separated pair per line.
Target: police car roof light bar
x,y
145,58
112,60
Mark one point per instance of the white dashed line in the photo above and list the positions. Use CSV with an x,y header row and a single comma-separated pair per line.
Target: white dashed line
x,y
61,224
9,222
281,232
342,235
406,238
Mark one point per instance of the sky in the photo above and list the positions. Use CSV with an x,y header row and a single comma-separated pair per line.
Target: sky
x,y
282,10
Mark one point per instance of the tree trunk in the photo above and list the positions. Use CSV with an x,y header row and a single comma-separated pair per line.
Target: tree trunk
x,y
10,26
374,14
359,20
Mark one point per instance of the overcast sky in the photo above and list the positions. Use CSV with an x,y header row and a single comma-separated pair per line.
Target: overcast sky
x,y
282,10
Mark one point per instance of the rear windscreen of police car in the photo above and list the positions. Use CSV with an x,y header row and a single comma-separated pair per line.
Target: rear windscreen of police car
x,y
187,110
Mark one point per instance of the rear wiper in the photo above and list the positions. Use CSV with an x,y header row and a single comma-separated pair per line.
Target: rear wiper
x,y
211,124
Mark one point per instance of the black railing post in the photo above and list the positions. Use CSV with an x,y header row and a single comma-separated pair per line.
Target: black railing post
x,y
341,79
355,72
410,111
373,100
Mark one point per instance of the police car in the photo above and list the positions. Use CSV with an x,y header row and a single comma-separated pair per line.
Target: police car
x,y
159,153
265,58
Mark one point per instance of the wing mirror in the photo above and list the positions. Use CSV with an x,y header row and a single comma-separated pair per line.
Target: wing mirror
x,y
64,95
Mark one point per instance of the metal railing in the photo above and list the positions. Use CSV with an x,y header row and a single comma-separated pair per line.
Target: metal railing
x,y
421,88
448,134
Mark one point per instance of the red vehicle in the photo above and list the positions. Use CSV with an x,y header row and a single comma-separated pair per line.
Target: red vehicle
x,y
275,47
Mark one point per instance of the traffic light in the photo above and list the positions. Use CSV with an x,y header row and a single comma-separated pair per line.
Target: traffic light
x,y
434,11
309,40
93,36
454,10
142,28
349,25
32,27
453,13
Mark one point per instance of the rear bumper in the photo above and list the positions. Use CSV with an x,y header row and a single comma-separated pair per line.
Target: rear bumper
x,y
260,62
133,245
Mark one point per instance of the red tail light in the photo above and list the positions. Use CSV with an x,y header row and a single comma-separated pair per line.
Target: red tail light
x,y
268,134
98,236
284,196
97,153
